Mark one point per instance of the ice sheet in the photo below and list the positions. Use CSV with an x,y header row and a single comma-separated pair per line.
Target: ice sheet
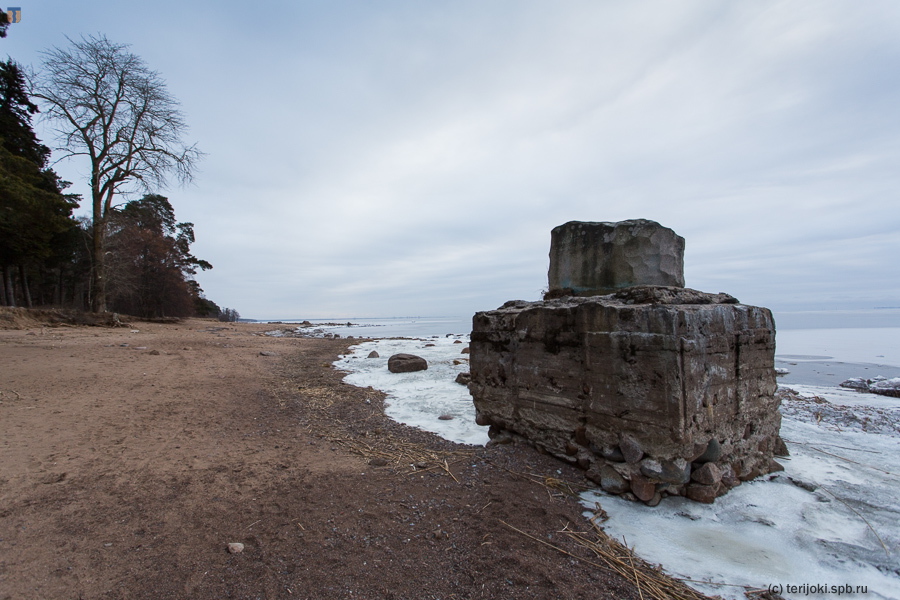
x,y
418,399
832,517
880,346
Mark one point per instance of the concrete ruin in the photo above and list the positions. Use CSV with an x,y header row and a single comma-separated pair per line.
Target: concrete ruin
x,y
654,390
591,259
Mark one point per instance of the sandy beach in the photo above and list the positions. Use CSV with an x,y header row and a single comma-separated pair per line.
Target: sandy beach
x,y
132,456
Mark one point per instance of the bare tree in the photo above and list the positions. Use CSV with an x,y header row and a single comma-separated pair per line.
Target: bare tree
x,y
110,107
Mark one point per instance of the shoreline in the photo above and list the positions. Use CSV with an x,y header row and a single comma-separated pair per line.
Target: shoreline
x,y
829,372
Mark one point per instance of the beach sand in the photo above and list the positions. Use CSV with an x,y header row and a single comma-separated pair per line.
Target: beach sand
x,y
132,456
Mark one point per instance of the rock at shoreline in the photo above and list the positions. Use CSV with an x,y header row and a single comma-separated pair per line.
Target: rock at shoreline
x,y
886,387
406,363
373,354
876,385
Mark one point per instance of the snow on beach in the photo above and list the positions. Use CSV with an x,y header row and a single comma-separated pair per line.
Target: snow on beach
x,y
832,518
418,399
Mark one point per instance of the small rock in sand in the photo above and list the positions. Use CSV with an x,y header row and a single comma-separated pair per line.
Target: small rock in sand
x,y
235,547
268,353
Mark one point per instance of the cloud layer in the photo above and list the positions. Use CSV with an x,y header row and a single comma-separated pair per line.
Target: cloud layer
x,y
411,159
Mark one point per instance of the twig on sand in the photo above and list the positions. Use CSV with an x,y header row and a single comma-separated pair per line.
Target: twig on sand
x,y
566,488
651,581
447,468
18,396
637,580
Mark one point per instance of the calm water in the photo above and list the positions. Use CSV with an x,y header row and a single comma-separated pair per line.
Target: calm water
x,y
396,327
814,356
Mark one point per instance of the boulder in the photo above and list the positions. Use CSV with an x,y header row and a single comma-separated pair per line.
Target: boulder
x,y
643,488
463,379
856,383
708,474
406,363
712,453
886,387
609,480
702,493
630,449
676,471
373,354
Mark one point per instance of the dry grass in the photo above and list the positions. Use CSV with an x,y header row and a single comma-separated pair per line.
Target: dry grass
x,y
322,402
29,318
611,555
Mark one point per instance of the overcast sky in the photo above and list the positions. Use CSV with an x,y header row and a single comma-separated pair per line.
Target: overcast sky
x,y
410,158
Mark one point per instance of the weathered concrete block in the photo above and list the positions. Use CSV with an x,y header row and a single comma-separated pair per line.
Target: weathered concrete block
x,y
671,377
589,259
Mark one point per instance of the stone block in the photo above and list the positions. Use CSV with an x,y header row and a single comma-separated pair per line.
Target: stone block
x,y
688,377
600,258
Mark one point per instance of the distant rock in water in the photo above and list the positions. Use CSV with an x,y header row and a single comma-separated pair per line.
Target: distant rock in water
x,y
406,363
856,383
779,372
373,354
876,385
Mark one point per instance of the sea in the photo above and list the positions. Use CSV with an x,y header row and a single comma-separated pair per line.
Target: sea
x,y
814,347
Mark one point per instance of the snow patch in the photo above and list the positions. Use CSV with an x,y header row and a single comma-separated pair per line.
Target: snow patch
x,y
418,399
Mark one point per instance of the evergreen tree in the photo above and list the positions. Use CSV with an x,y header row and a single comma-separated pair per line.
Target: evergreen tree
x,y
33,209
150,269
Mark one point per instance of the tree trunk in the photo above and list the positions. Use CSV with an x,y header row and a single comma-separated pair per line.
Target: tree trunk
x,y
98,272
58,288
25,291
10,291
3,293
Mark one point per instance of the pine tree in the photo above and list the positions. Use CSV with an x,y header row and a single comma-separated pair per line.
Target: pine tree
x,y
150,268
33,209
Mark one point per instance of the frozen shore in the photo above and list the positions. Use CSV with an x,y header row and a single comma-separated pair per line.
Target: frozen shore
x,y
832,517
